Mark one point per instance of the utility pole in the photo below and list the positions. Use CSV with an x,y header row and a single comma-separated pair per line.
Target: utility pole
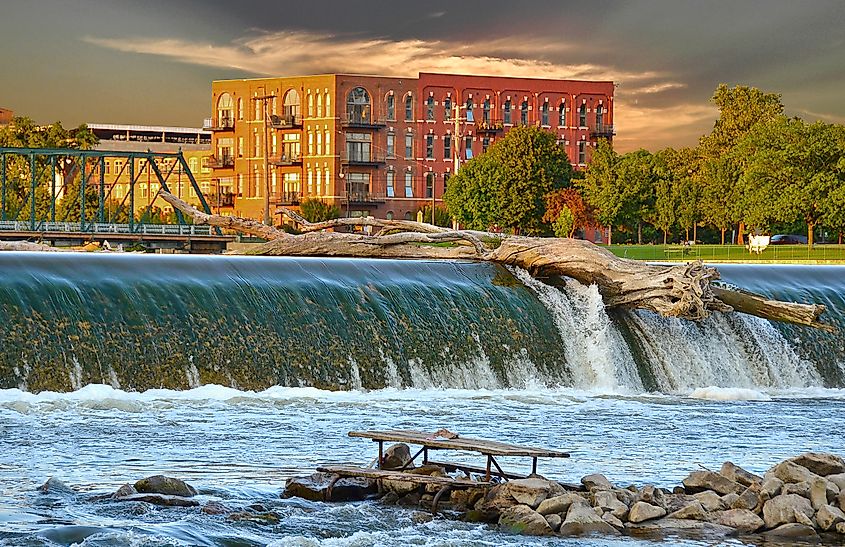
x,y
268,220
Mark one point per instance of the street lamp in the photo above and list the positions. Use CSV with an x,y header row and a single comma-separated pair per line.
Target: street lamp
x,y
348,188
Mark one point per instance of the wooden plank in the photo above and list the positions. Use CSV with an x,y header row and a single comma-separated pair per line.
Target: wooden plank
x,y
450,467
370,473
483,446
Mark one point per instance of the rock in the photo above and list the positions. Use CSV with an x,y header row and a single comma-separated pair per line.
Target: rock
x,y
396,456
559,504
401,488
709,500
161,499
749,499
214,508
801,518
679,490
840,528
700,481
840,500
649,493
125,490
490,507
770,488
465,497
613,521
781,509
792,530
729,499
626,496
742,519
315,488
737,474
420,517
581,519
829,516
820,463
801,488
838,480
168,486
680,527
694,511
822,491
530,492
790,472
554,521
606,500
55,486
524,520
596,481
642,511
411,499
267,518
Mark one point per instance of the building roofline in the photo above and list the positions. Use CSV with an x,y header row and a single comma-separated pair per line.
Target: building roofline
x,y
417,77
452,75
156,128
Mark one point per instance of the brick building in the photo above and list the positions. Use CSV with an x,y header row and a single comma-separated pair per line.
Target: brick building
x,y
6,116
383,146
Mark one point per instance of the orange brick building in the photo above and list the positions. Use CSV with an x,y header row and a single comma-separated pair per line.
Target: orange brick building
x,y
6,116
383,146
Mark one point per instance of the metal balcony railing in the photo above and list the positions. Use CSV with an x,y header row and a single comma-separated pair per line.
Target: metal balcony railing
x,y
286,121
221,200
362,122
286,198
367,160
222,162
287,159
491,126
224,123
602,130
362,196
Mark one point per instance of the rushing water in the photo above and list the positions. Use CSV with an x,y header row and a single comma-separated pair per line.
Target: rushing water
x,y
472,347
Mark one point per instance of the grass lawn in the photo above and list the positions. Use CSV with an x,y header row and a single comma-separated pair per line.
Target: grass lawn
x,y
731,253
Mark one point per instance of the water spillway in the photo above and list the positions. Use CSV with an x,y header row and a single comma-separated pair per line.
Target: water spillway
x,y
139,321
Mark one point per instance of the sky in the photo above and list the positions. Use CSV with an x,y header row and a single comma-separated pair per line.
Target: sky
x,y
152,62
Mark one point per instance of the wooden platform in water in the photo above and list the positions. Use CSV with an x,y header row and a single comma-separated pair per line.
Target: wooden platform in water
x,y
369,473
482,446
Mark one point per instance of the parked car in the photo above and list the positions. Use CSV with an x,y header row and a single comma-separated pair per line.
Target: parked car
x,y
788,239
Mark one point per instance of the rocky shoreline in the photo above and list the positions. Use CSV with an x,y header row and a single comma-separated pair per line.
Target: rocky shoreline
x,y
801,498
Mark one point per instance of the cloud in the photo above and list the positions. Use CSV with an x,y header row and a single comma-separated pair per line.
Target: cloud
x,y
302,52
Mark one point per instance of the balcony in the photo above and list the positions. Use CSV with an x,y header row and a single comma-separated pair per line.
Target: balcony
x,y
489,127
602,131
362,197
356,122
224,199
286,198
288,121
223,162
224,123
286,160
362,160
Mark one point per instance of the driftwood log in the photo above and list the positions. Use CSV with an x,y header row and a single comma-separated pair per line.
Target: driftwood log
x,y
680,290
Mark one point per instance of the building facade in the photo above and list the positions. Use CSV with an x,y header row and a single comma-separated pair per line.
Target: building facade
x,y
383,146
6,116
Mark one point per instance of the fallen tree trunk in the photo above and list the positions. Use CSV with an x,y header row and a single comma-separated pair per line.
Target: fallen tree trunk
x,y
682,290
27,246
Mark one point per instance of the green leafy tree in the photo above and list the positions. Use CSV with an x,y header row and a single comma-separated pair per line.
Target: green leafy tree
x,y
316,210
601,187
583,216
564,224
636,175
470,197
441,216
664,213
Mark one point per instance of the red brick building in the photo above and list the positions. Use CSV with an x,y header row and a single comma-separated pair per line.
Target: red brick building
x,y
384,146
6,116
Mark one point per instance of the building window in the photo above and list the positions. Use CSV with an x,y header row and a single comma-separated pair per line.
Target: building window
x,y
359,184
319,105
409,146
447,108
240,108
273,182
290,146
582,116
273,145
327,180
310,143
446,177
224,149
225,110
391,176
429,109
319,184
508,111
391,145
311,183
544,113
485,144
391,107
319,143
470,117
429,185
240,184
561,115
485,114
523,113
468,147
429,147
409,185
582,152
328,105
389,215
273,105
599,116
358,146
358,106
327,145
291,105
240,147
409,108
447,147
257,113
310,105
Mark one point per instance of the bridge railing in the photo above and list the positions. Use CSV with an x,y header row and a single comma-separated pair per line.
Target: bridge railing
x,y
103,228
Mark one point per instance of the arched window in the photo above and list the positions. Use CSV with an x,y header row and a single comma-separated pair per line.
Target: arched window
x,y
599,115
544,113
391,106
358,106
319,105
582,115
429,109
328,105
310,105
447,108
407,215
470,116
507,109
523,113
389,215
225,110
561,115
291,105
485,115
409,108
240,108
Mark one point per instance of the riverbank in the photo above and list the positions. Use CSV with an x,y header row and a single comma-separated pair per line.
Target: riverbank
x,y
733,254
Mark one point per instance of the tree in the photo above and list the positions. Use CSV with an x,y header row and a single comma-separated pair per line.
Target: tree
x,y
664,213
564,224
506,185
583,216
636,177
316,210
441,216
601,187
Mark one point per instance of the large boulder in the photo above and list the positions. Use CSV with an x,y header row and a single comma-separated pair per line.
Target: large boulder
x,y
607,501
314,487
168,486
613,521
490,507
161,499
597,481
554,521
791,472
680,527
582,519
529,491
396,456
781,509
838,480
559,504
700,481
56,486
742,519
524,520
820,463
770,488
801,488
829,516
793,530
694,510
125,490
710,500
749,499
735,473
642,511
822,491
